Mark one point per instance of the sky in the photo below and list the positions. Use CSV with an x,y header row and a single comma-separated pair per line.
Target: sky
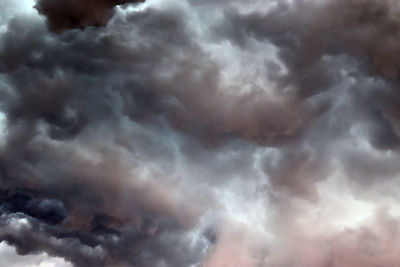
x,y
199,133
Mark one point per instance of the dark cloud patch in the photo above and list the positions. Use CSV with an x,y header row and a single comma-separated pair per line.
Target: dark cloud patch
x,y
183,96
31,236
63,15
305,32
296,171
48,210
94,236
367,29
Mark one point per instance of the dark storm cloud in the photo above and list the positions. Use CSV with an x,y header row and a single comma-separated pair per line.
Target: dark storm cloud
x,y
309,36
92,206
79,81
121,139
63,15
69,62
31,236
48,210
307,30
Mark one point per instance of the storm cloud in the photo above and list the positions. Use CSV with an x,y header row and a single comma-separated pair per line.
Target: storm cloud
x,y
200,133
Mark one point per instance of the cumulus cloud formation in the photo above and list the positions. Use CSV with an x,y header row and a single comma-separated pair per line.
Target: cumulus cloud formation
x,y
166,133
9,257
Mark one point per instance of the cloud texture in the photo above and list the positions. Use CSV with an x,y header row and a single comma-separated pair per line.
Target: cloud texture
x,y
166,133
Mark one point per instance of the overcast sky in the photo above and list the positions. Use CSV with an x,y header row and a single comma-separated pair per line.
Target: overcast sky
x,y
199,133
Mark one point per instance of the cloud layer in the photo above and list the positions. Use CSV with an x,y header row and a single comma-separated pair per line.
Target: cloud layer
x,y
200,133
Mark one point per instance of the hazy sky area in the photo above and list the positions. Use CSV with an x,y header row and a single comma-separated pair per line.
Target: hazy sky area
x,y
199,133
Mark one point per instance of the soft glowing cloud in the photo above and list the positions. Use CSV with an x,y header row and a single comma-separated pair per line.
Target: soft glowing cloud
x,y
10,258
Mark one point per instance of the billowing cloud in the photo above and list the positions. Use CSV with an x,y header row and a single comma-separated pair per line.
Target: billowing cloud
x,y
200,133
9,257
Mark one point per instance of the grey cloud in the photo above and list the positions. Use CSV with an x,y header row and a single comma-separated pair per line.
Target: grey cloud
x,y
126,146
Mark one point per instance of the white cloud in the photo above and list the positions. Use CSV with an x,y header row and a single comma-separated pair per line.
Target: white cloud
x,y
10,258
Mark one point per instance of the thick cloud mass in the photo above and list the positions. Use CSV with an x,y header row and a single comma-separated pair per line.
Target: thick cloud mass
x,y
70,14
167,133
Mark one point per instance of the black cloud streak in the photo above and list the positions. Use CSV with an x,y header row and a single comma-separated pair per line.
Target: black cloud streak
x,y
63,15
